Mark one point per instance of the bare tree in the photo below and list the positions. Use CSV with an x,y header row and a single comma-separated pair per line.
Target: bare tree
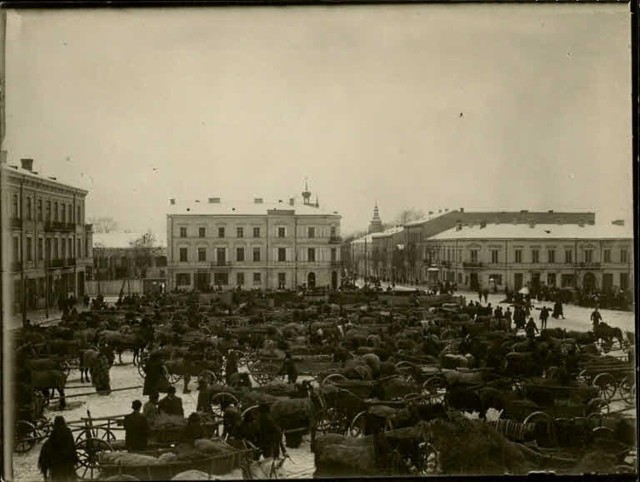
x,y
103,224
143,252
408,215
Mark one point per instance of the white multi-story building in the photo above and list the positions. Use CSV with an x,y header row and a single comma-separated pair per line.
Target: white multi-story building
x,y
583,256
50,246
252,245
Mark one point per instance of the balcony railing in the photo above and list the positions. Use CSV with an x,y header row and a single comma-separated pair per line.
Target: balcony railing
x,y
335,239
59,226
589,265
445,264
16,266
469,264
62,263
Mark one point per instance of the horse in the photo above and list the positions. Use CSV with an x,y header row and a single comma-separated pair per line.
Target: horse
x,y
46,380
607,334
88,359
122,342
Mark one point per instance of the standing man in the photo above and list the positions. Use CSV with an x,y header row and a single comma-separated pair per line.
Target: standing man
x,y
531,329
289,369
544,316
170,404
150,409
136,428
596,318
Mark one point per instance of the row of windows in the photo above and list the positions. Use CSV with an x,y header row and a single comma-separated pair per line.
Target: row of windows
x,y
221,254
567,280
56,248
184,279
62,212
240,232
551,256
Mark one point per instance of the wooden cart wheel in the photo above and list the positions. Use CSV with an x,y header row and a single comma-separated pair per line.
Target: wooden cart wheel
x,y
357,425
584,376
208,376
332,422
88,451
24,437
173,378
249,410
98,433
627,390
606,384
435,389
334,377
38,395
541,417
428,460
220,401
142,364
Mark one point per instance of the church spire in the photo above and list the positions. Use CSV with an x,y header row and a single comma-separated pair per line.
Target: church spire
x,y
375,226
306,194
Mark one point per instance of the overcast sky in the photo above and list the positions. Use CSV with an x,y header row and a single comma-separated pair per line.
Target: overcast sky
x,y
424,106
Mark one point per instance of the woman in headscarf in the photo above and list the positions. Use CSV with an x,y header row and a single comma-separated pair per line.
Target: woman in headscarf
x,y
58,454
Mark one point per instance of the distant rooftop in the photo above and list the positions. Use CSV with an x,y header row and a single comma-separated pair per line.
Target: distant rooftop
x,y
388,232
259,207
538,231
120,240
25,168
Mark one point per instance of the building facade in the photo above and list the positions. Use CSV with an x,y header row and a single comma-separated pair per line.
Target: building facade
x,y
50,247
117,256
509,256
253,246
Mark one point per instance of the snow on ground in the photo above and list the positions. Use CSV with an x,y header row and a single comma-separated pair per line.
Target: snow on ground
x,y
301,464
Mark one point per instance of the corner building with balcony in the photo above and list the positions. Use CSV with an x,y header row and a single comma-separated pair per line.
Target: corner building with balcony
x,y
257,245
49,246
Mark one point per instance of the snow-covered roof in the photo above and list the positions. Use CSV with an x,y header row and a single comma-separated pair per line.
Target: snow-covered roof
x,y
120,240
244,208
37,175
538,231
387,232
428,218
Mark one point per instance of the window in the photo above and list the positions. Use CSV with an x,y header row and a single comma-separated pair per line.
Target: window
x,y
221,232
311,232
55,249
588,255
202,232
240,232
79,217
256,232
624,281
16,249
281,232
202,254
257,278
607,255
48,210
40,249
63,246
63,214
183,232
183,279
566,280
183,255
240,279
48,250
334,231
623,255
518,256
497,278
607,281
494,255
568,256
256,255
29,215
14,207
39,210
282,280
282,254
239,254
69,213
551,255
551,280
29,249
474,255
334,254
79,249
535,256
221,256
311,255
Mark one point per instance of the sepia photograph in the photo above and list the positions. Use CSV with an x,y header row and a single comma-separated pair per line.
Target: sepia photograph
x,y
321,241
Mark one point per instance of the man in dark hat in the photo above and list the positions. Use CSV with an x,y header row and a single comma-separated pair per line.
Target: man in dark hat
x,y
289,369
155,379
136,428
170,404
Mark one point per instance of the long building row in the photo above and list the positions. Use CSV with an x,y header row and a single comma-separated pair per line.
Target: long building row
x,y
500,250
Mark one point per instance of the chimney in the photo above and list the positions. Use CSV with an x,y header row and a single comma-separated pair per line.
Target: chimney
x,y
198,200
550,211
27,164
172,201
291,201
53,178
524,211
461,210
214,200
618,222
430,213
258,200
